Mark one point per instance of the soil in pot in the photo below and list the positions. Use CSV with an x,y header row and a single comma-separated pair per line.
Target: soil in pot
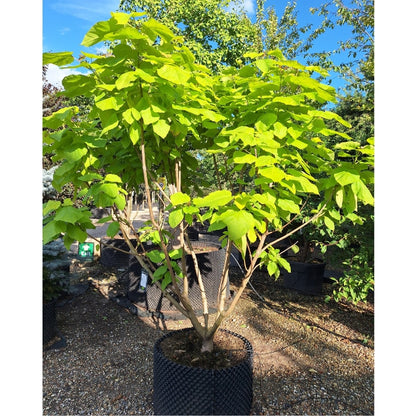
x,y
185,348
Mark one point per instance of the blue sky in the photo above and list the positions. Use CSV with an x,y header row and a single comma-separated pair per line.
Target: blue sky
x,y
65,23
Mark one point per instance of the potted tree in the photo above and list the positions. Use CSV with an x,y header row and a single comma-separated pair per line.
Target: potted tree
x,y
154,109
307,266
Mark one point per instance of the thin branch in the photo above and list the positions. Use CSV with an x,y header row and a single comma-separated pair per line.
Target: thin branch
x,y
217,173
317,215
224,277
205,310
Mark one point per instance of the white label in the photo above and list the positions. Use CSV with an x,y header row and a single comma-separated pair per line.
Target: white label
x,y
143,279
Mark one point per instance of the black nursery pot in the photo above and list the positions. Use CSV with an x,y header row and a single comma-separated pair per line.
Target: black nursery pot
x,y
110,257
305,277
184,390
49,321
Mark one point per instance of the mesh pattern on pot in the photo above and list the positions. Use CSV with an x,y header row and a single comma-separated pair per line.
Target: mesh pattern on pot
x,y
110,257
183,390
306,278
210,264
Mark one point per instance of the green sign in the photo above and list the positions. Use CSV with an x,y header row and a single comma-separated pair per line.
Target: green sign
x,y
86,251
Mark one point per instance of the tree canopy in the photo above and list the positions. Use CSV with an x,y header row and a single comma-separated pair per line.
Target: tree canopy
x,y
214,34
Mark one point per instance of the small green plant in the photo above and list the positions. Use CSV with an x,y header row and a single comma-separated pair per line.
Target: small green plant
x,y
357,281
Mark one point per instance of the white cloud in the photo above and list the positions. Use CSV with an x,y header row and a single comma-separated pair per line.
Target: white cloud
x,y
91,10
55,75
64,30
247,5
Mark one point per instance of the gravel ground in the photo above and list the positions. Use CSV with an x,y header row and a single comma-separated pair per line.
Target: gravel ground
x,y
310,357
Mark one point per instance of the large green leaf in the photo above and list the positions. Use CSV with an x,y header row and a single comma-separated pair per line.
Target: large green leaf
x,y
69,214
241,157
175,217
100,31
265,65
76,154
76,233
265,161
134,132
214,199
329,115
349,203
113,229
60,117
208,114
161,128
156,256
123,51
50,232
179,198
362,192
273,173
113,178
109,121
120,202
280,130
155,28
57,58
238,223
111,103
110,189
50,206
346,177
125,80
174,74
265,121
288,205
159,273
323,92
76,85
149,116
145,76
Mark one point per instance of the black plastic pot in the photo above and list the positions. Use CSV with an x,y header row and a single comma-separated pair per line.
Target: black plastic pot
x,y
49,321
184,390
151,298
193,234
110,257
305,277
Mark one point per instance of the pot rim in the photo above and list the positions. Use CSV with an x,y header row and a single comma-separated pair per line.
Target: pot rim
x,y
247,347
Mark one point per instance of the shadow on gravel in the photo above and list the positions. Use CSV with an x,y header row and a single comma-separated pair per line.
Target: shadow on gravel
x,y
313,394
313,311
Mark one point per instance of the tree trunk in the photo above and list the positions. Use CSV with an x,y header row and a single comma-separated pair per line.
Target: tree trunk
x,y
207,344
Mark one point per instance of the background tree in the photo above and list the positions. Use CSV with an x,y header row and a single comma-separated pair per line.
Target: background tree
x,y
51,101
352,58
215,34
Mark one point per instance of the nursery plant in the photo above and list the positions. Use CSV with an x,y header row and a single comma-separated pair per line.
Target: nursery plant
x,y
155,113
